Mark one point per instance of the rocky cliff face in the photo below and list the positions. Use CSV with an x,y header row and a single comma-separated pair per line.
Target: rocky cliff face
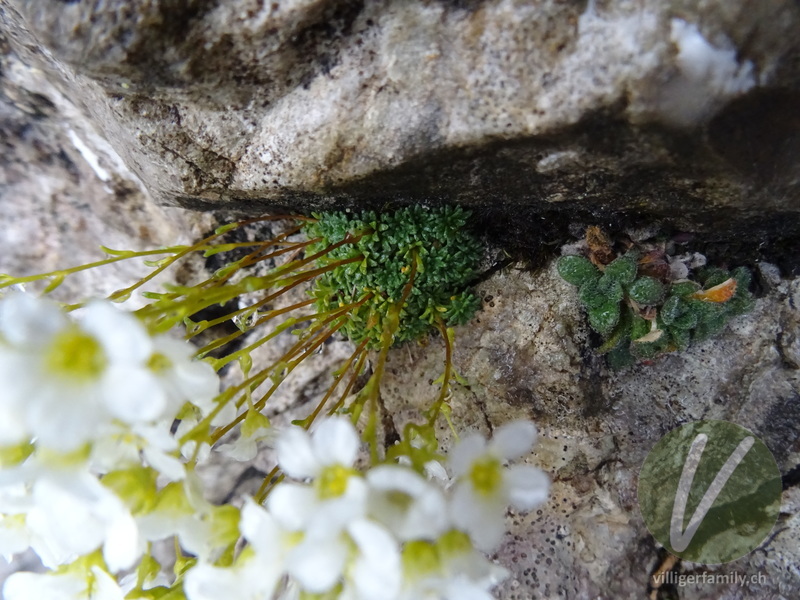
x,y
675,109
536,115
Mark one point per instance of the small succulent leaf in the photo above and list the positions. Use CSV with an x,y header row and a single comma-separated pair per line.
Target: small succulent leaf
x,y
639,327
687,320
680,337
610,288
709,327
622,269
591,296
671,309
604,318
743,278
646,291
621,333
684,288
577,270
712,276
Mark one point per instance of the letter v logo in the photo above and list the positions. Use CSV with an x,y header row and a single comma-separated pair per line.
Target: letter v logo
x,y
678,539
709,491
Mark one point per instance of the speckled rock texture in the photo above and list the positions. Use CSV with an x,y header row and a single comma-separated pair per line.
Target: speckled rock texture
x,y
682,110
528,355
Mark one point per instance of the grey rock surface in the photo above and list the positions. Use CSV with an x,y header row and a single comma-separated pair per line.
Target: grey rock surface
x,y
528,355
64,191
676,109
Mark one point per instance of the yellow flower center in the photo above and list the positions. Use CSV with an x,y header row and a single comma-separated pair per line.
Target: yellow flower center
x,y
486,476
420,559
159,363
332,482
75,354
400,500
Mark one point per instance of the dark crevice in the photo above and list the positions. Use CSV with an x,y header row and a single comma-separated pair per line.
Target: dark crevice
x,y
791,478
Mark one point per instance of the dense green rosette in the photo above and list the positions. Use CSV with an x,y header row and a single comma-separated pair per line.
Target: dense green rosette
x,y
430,244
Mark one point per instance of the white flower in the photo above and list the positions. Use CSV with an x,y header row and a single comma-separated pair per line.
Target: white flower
x,y
334,443
254,430
318,560
64,512
96,585
257,570
202,528
123,447
329,515
65,380
448,569
73,514
182,377
485,487
406,503
338,493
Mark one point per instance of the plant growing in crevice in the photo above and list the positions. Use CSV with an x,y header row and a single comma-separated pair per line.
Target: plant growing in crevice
x,y
131,412
378,279
645,302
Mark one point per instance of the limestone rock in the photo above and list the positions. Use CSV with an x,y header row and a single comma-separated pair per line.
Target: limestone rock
x,y
673,109
527,355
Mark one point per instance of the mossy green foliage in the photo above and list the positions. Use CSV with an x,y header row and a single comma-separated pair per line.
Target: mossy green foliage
x,y
640,317
431,243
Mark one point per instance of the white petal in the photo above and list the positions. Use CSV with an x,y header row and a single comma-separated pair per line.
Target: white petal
x,y
333,515
27,586
377,572
122,335
262,531
65,418
484,521
435,470
14,536
65,518
197,381
317,566
514,439
133,394
167,465
335,441
28,321
466,452
12,425
295,454
422,511
122,547
18,389
105,586
177,351
292,504
205,582
392,477
527,486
